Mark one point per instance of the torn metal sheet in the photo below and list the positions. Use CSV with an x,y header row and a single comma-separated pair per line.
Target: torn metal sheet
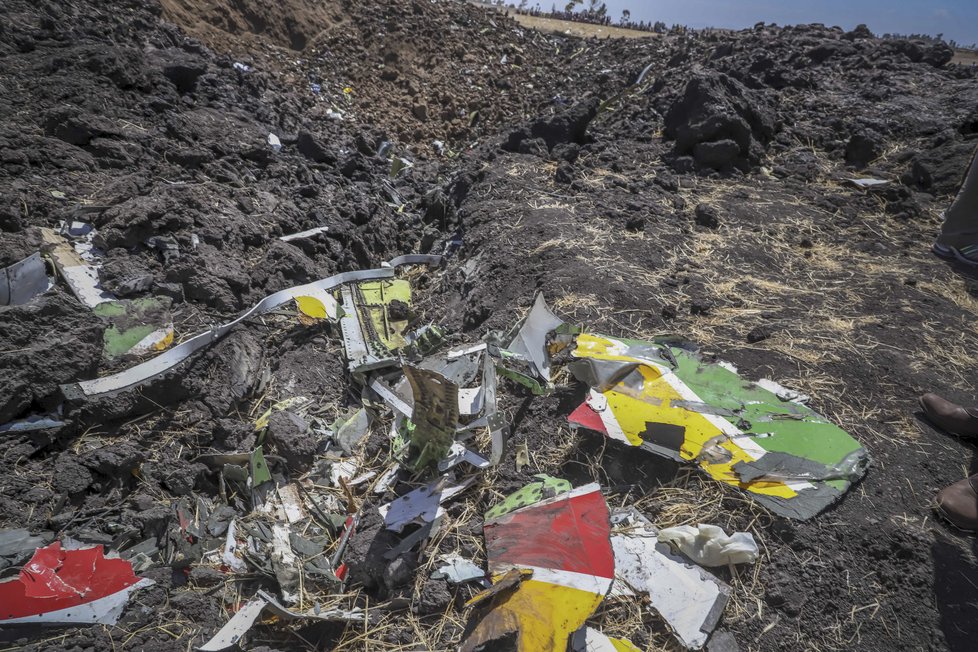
x,y
349,432
666,400
564,542
61,586
22,281
423,505
231,634
385,304
458,453
434,417
80,275
709,545
458,570
407,543
291,503
588,639
359,356
146,371
391,397
531,339
375,317
285,564
37,422
229,557
686,596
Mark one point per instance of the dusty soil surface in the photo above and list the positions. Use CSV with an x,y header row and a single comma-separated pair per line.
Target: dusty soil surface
x,y
709,201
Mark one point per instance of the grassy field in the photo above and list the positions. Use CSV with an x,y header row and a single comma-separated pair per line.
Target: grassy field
x,y
968,57
571,27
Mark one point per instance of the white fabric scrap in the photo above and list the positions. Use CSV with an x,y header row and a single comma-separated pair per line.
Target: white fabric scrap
x,y
709,545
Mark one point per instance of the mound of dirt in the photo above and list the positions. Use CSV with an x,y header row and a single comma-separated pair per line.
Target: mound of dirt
x,y
291,24
709,200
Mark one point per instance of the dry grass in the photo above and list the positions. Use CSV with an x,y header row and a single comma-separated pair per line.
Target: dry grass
x,y
965,57
583,30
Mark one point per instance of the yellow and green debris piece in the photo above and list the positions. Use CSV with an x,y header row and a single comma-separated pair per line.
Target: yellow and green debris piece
x,y
669,401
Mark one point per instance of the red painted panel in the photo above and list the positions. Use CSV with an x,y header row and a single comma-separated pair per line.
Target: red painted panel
x,y
586,417
59,579
571,535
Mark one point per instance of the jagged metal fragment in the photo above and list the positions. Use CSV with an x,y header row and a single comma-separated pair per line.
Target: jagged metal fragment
x,y
689,598
22,281
154,367
531,339
435,414
232,633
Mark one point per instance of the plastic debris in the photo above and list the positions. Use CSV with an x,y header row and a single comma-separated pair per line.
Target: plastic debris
x,y
458,570
866,183
552,564
22,281
69,586
232,633
275,143
243,67
301,235
666,400
709,545
687,597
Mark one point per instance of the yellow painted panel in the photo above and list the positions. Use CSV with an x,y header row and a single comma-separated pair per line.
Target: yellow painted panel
x,y
622,645
633,410
547,614
311,307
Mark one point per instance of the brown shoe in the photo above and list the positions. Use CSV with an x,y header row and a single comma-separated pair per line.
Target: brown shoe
x,y
958,503
950,416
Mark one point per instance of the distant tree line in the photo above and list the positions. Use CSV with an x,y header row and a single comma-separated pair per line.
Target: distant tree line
x,y
927,38
596,13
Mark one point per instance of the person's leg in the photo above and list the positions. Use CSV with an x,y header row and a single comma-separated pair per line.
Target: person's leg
x,y
959,233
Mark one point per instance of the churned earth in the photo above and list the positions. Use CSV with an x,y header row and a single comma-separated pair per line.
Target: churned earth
x,y
709,200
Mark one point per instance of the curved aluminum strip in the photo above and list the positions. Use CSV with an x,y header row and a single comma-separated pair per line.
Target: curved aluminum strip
x,y
152,368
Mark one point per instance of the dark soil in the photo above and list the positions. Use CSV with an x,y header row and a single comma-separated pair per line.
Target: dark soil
x,y
708,202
